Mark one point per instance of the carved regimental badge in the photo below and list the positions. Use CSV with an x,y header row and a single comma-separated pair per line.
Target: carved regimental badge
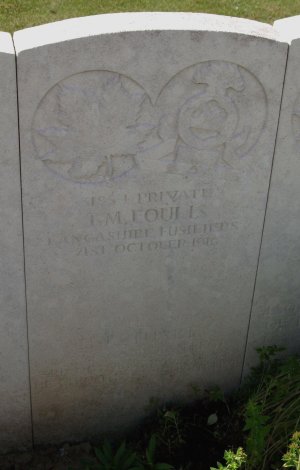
x,y
96,126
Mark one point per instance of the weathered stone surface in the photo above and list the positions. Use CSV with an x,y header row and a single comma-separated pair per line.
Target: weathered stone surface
x,y
146,145
15,427
276,308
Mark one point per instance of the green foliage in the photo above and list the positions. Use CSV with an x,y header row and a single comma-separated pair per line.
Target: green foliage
x,y
109,459
126,459
267,354
234,461
266,368
292,457
272,410
171,429
149,463
216,395
258,430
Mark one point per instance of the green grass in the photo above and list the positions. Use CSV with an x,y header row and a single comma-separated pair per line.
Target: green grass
x,y
18,14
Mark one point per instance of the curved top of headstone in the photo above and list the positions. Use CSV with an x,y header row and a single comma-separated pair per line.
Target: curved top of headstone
x,y
67,30
6,43
288,29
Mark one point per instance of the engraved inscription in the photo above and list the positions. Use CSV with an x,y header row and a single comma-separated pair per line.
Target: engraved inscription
x,y
140,222
97,126
282,321
283,318
56,378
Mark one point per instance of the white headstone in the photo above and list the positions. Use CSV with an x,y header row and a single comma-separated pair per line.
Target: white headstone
x,y
146,145
276,308
15,426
